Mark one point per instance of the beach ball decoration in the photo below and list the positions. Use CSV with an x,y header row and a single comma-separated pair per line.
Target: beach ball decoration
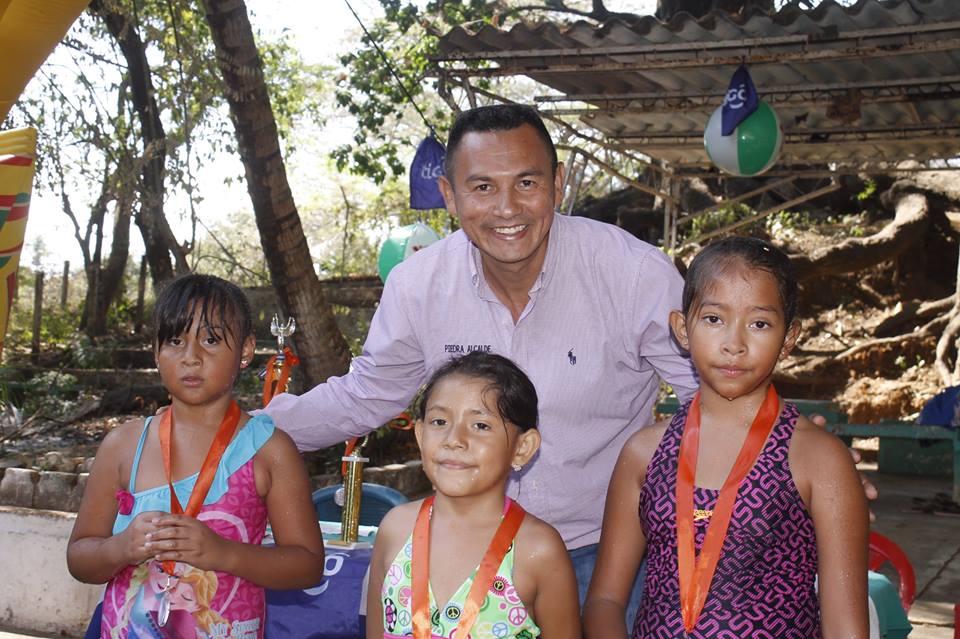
x,y
743,136
402,243
751,149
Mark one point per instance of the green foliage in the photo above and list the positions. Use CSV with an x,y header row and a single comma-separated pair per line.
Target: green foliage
x,y
782,220
346,232
408,35
232,250
869,189
54,384
90,138
83,353
722,217
50,394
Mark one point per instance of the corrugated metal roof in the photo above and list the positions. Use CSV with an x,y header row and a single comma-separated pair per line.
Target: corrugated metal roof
x,y
879,80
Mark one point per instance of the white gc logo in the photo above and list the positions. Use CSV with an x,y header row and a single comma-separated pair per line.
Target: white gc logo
x,y
737,97
430,171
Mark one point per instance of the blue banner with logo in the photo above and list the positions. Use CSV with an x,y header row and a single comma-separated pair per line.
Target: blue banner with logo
x,y
741,100
427,166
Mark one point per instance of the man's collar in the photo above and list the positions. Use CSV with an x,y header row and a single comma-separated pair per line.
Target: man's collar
x,y
549,262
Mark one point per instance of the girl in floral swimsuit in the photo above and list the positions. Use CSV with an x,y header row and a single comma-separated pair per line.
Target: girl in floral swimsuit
x,y
468,561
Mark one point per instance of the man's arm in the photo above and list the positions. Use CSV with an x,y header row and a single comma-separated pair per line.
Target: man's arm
x,y
380,384
659,290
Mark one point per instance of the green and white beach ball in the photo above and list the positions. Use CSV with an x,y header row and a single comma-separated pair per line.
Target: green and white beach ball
x,y
402,243
752,148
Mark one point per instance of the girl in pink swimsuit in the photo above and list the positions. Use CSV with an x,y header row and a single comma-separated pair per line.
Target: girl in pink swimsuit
x,y
201,573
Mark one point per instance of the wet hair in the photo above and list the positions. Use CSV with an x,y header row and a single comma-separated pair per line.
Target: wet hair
x,y
214,298
496,117
516,395
717,258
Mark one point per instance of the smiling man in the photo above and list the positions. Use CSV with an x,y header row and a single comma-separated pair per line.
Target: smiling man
x,y
581,306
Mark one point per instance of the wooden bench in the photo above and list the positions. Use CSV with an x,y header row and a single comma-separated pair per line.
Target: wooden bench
x,y
905,448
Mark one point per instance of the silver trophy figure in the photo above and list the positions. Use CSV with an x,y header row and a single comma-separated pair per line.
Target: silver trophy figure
x,y
280,330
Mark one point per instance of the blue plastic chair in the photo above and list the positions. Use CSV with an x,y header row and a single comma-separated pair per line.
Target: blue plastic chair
x,y
374,503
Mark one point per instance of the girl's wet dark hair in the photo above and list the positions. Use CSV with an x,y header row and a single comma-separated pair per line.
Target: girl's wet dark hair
x,y
212,297
717,258
516,395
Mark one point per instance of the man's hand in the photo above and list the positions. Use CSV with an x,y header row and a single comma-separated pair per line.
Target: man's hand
x,y
868,488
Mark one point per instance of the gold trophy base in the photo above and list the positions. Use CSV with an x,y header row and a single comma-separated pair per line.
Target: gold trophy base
x,y
347,545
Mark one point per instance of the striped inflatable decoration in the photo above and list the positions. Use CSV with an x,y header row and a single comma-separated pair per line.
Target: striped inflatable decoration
x,y
752,148
17,153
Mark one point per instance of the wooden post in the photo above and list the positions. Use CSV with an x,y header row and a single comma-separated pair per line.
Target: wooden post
x,y
37,313
64,285
141,290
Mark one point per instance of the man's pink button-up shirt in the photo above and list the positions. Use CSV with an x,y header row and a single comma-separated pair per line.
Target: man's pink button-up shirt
x,y
594,338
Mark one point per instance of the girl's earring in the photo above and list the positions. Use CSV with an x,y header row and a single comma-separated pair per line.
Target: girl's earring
x,y
517,468
243,363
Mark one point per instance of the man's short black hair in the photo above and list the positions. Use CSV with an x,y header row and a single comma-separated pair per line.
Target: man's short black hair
x,y
496,117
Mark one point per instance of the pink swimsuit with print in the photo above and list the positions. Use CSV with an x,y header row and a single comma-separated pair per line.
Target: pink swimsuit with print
x,y
202,604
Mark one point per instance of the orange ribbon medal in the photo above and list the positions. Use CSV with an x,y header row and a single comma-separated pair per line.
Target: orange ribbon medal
x,y
228,426
492,558
696,573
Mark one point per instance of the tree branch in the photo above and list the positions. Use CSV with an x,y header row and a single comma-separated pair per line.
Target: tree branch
x,y
598,11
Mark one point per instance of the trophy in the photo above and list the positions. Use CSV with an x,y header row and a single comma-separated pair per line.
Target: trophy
x,y
349,495
276,373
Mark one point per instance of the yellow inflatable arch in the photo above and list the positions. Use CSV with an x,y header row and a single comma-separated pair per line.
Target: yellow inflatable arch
x,y
29,31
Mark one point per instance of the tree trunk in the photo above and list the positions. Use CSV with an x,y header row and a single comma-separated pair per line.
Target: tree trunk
x,y
854,254
321,346
110,277
158,239
91,262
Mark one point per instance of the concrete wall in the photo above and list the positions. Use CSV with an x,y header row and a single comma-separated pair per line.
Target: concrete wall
x,y
37,592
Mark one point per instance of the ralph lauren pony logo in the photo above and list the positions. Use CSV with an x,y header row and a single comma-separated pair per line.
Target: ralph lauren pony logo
x,y
571,357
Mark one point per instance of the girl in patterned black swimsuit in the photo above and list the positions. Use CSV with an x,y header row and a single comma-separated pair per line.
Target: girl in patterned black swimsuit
x,y
743,502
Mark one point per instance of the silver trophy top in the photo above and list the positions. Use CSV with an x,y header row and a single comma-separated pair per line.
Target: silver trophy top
x,y
282,330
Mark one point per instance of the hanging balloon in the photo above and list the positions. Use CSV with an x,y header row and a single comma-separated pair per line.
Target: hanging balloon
x,y
752,148
402,243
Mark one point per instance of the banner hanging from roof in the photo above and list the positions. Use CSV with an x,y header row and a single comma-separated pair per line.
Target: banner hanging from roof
x,y
741,100
425,170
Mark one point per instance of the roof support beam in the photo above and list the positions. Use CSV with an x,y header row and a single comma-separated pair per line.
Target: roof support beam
x,y
769,186
572,130
830,188
707,171
830,35
828,135
611,170
542,67
871,92
935,82
706,106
